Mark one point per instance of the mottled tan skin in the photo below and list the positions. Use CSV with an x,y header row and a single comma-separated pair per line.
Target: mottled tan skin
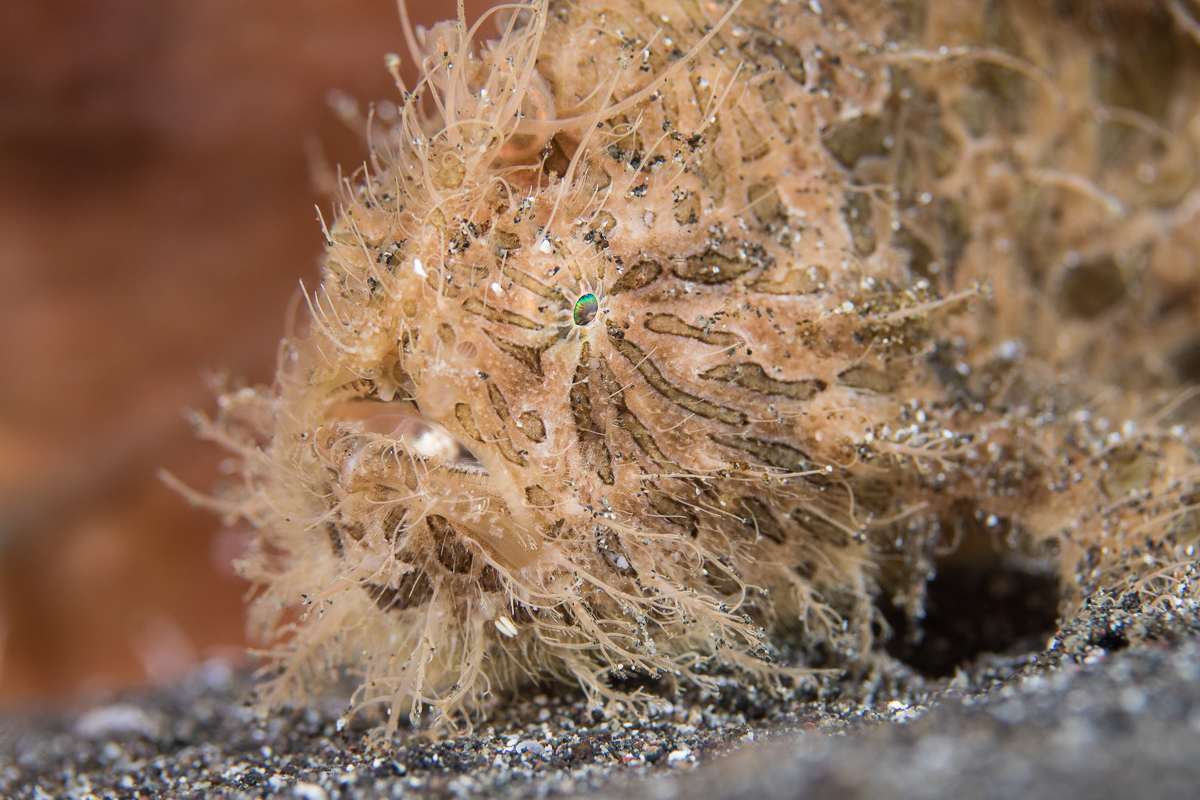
x,y
855,294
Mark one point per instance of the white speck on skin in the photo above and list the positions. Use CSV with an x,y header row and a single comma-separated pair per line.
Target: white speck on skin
x,y
420,270
546,247
506,626
1007,350
497,288
435,444
619,561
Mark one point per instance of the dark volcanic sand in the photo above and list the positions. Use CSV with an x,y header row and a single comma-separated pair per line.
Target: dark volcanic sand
x,y
1111,710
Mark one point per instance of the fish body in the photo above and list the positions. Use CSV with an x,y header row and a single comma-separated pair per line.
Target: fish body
x,y
660,328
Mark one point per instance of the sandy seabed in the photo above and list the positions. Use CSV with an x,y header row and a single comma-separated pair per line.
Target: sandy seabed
x,y
1112,709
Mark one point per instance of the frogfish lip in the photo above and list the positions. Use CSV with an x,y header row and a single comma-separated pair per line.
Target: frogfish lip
x,y
457,486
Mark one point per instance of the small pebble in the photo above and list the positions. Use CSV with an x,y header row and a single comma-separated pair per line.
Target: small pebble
x,y
678,755
530,746
309,791
116,719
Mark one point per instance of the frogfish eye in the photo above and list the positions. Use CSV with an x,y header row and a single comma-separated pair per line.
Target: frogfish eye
x,y
586,309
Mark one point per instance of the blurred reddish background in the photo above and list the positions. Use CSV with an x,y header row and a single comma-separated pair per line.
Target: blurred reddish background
x,y
156,214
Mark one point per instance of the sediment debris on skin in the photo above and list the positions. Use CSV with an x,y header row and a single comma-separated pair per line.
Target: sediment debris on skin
x,y
864,277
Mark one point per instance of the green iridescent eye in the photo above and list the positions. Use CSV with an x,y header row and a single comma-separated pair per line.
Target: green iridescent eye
x,y
586,308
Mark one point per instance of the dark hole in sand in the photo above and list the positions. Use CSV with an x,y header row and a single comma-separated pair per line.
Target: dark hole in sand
x,y
985,598
1112,641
